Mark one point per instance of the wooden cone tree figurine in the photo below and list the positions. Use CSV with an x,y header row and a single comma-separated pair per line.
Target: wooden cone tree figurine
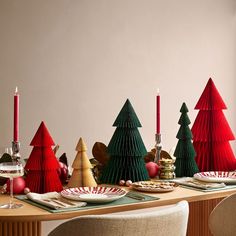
x,y
82,175
42,165
185,163
126,150
211,133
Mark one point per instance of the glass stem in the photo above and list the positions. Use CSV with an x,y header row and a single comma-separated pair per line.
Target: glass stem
x,y
11,192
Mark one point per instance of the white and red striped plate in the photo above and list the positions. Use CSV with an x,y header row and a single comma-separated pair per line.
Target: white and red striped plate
x,y
217,176
94,194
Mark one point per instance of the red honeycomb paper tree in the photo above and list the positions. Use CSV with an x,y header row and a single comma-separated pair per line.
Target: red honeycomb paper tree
x,y
211,133
42,165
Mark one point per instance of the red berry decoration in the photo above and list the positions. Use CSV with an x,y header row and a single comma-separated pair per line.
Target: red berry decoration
x,y
26,190
18,185
122,182
128,183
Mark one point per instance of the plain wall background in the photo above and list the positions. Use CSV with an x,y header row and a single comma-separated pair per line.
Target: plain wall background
x,y
76,62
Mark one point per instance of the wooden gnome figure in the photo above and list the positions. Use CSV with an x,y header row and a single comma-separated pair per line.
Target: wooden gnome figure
x,y
82,175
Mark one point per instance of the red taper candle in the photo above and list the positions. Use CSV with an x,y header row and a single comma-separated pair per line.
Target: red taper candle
x,y
158,129
16,116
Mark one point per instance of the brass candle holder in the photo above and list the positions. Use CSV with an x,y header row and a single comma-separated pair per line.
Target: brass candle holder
x,y
167,169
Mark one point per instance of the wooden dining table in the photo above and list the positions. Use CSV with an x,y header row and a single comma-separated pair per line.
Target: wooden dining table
x,y
27,220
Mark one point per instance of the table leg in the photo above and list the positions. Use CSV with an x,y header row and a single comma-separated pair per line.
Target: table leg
x,y
198,217
28,228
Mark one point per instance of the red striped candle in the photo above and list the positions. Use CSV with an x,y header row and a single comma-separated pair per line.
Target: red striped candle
x,y
16,116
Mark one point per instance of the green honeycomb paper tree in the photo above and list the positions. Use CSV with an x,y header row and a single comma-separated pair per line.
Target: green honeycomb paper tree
x,y
126,150
185,154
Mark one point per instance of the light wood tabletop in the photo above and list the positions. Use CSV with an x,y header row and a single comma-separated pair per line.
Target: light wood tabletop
x,y
27,219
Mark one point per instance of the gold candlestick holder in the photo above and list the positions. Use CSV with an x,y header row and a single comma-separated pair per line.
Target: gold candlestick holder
x,y
167,169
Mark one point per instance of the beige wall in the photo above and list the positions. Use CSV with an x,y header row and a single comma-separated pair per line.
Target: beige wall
x,y
76,62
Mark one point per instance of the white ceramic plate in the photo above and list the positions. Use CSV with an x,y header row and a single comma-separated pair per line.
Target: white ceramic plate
x,y
154,186
94,194
217,176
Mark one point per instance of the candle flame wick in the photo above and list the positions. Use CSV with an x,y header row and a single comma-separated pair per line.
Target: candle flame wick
x,y
16,90
158,91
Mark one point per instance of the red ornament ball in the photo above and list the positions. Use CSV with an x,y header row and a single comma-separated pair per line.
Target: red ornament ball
x,y
152,169
18,185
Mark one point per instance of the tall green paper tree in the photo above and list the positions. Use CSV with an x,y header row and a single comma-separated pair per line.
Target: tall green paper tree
x,y
126,149
185,154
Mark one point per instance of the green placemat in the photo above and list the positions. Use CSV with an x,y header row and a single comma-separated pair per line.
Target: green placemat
x,y
183,182
122,201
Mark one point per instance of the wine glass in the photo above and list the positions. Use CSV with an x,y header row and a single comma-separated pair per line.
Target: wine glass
x,y
11,170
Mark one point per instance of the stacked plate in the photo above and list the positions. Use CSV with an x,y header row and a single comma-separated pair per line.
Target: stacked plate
x,y
217,176
94,194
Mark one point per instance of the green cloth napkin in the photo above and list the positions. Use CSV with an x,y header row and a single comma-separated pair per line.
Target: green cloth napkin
x,y
122,201
191,183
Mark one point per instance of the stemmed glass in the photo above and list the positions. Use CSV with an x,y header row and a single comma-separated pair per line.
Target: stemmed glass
x,y
11,170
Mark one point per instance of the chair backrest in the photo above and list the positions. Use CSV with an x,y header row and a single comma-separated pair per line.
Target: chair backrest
x,y
171,220
222,220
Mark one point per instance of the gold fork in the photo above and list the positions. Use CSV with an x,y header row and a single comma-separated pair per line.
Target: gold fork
x,y
64,201
135,196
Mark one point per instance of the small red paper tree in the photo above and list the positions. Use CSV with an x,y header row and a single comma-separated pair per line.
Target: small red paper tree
x,y
42,165
211,133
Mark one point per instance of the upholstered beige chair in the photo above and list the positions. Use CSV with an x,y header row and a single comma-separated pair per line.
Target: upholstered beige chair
x,y
170,220
222,220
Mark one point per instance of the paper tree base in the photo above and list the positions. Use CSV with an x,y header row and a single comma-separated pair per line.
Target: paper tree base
x,y
185,168
82,179
128,168
48,183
